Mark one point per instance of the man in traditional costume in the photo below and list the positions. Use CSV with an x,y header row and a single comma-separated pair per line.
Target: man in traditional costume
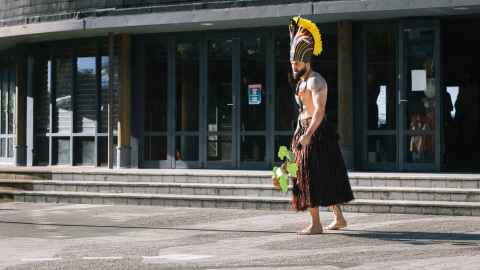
x,y
322,178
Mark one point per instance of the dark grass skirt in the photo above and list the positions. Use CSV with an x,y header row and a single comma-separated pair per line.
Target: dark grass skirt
x,y
322,178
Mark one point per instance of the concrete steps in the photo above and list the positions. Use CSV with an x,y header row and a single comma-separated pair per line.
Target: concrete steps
x,y
253,190
244,202
374,192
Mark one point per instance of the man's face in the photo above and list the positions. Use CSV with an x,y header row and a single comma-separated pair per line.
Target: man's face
x,y
298,69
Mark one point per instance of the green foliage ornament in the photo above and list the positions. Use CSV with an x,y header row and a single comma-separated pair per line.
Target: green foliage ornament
x,y
288,169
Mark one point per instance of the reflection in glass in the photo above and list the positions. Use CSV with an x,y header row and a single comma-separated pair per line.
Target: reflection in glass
x,y
420,148
3,96
63,91
84,151
381,80
61,151
42,79
11,104
219,147
252,148
42,147
285,109
253,89
155,148
421,74
186,148
3,147
103,150
104,84
86,95
452,96
382,149
155,111
187,68
155,87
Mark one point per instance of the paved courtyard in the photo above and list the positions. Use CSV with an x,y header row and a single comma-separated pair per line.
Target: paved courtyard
x,y
61,236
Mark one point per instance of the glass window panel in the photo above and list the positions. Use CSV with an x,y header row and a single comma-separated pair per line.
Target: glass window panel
x,y
42,84
156,87
326,65
41,152
220,86
252,88
63,100
382,149
252,148
155,148
285,108
103,150
86,95
84,151
4,99
3,147
219,148
187,73
186,148
10,147
61,151
420,149
104,82
421,90
11,101
381,92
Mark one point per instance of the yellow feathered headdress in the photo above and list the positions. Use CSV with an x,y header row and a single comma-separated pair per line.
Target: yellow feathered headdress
x,y
297,22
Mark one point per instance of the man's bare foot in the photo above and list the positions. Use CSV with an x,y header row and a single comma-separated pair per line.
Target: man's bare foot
x,y
312,229
337,225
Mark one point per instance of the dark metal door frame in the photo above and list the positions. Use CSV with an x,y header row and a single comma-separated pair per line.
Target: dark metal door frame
x,y
366,28
401,88
402,112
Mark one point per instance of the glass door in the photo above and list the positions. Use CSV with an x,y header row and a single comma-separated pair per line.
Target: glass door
x,y
418,97
380,92
220,104
253,102
187,109
156,153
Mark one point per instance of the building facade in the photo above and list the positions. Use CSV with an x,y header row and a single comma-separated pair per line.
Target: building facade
x,y
203,84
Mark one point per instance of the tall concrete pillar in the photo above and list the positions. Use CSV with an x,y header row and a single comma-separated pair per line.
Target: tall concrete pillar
x,y
20,109
345,90
124,119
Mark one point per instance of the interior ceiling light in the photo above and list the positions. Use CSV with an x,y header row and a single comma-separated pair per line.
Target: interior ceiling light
x,y
206,24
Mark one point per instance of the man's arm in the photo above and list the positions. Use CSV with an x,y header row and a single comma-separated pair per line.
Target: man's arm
x,y
318,88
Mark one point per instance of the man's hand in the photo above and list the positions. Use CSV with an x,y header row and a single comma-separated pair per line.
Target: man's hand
x,y
304,140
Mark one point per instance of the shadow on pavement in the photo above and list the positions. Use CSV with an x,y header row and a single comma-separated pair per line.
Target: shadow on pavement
x,y
419,238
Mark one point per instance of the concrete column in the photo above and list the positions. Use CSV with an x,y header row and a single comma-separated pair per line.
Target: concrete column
x,y
345,90
124,125
21,110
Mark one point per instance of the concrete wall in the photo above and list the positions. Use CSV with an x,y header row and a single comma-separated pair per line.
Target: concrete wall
x,y
14,12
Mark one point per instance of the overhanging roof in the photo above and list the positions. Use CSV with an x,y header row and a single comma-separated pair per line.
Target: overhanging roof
x,y
238,17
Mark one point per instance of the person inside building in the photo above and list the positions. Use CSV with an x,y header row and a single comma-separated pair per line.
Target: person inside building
x,y
322,178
